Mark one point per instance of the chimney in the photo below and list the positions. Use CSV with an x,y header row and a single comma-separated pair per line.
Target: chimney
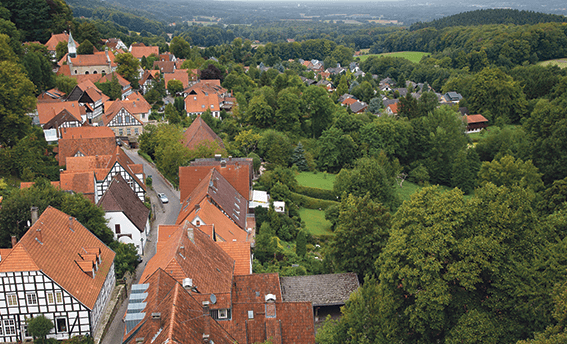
x,y
190,234
230,158
71,223
34,214
14,241
217,157
206,307
223,163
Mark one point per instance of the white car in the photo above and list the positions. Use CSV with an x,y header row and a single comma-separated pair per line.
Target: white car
x,y
162,197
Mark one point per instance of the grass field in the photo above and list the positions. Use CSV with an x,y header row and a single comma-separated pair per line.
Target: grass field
x,y
562,63
315,222
316,180
413,56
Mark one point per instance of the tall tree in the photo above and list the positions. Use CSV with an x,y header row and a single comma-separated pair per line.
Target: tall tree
x,y
128,67
319,108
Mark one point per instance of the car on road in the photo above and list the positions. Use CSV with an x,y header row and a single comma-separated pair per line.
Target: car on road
x,y
162,197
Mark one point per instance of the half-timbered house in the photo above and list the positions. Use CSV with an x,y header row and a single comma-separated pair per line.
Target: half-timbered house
x,y
121,120
58,269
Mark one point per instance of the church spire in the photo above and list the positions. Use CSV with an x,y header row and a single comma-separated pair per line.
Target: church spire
x,y
71,46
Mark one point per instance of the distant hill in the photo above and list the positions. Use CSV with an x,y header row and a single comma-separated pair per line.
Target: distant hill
x,y
490,16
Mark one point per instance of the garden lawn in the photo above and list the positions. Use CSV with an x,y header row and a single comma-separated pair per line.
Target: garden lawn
x,y
413,56
315,222
410,188
562,63
316,180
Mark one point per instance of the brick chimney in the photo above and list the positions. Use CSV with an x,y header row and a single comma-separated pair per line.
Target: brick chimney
x,y
191,234
14,241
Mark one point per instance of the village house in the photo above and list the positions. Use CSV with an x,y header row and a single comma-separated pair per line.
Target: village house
x,y
60,270
203,95
89,96
199,133
128,217
119,117
85,141
140,50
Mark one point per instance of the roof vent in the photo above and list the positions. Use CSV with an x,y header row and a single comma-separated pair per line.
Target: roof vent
x,y
270,297
223,163
156,315
140,340
187,283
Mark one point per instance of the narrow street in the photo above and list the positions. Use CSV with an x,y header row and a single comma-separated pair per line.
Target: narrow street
x,y
164,214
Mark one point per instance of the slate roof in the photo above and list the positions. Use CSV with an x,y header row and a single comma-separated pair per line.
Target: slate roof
x,y
238,172
119,197
216,189
198,132
181,317
358,106
200,259
320,290
90,141
56,244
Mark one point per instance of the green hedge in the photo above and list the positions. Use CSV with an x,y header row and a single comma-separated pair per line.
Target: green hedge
x,y
316,192
310,202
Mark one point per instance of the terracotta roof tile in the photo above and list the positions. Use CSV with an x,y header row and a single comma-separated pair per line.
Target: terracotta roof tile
x,y
206,94
112,108
240,252
55,244
476,119
141,51
165,67
62,117
55,39
47,110
95,59
182,318
119,197
198,132
178,74
79,182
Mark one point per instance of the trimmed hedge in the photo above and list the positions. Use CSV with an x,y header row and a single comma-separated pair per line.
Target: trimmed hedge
x,y
316,192
310,202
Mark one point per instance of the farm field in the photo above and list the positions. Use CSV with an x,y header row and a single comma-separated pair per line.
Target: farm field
x,y
316,180
315,222
413,56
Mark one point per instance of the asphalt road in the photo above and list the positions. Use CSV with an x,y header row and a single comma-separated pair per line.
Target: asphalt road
x,y
165,214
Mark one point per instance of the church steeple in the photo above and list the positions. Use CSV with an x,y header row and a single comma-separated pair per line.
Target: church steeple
x,y
71,46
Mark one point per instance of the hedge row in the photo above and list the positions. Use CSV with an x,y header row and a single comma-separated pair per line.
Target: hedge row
x,y
316,193
310,202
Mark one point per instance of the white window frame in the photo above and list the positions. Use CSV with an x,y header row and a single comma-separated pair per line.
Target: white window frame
x,y
9,326
57,329
223,313
12,300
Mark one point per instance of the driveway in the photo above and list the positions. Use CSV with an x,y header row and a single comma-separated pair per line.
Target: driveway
x,y
164,214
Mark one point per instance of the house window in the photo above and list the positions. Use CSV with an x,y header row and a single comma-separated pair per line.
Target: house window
x,y
212,106
32,298
50,298
136,131
128,132
9,326
59,297
120,132
61,325
117,228
119,119
12,300
127,119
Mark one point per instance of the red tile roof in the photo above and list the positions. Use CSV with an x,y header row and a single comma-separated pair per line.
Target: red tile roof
x,y
476,119
178,74
182,318
89,141
55,39
165,67
96,59
198,132
140,51
47,110
349,101
79,182
206,94
240,252
394,108
61,118
112,108
55,244
200,259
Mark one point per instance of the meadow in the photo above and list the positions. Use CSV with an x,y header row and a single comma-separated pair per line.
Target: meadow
x,y
413,56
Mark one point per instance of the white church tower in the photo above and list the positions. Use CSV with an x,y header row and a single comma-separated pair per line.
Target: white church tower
x,y
71,46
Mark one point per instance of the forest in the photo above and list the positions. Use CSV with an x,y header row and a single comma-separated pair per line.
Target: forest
x,y
476,255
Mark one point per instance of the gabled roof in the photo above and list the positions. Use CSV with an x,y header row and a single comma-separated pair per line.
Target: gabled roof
x,y
56,244
119,197
200,258
292,322
98,58
240,252
112,108
79,182
393,108
320,290
62,117
238,172
349,101
358,106
55,39
198,132
86,140
476,119
47,110
181,317
179,74
203,95
140,51
165,67
214,187
148,75
109,76
135,104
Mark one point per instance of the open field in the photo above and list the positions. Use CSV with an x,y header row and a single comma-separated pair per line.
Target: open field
x,y
315,222
562,63
413,56
316,180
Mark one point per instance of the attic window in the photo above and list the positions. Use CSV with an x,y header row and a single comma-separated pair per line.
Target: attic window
x,y
250,314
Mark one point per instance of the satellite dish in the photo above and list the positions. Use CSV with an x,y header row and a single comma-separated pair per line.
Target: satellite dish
x,y
213,299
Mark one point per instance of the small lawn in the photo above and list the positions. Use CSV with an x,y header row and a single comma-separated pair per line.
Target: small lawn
x,y
315,222
562,63
410,188
316,180
413,56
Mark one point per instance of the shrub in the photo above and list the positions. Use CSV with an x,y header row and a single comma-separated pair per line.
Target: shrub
x,y
310,202
316,192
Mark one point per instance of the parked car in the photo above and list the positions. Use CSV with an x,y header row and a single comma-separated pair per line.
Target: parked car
x,y
162,197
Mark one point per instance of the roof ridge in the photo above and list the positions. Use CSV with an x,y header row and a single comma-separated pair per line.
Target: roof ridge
x,y
25,258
